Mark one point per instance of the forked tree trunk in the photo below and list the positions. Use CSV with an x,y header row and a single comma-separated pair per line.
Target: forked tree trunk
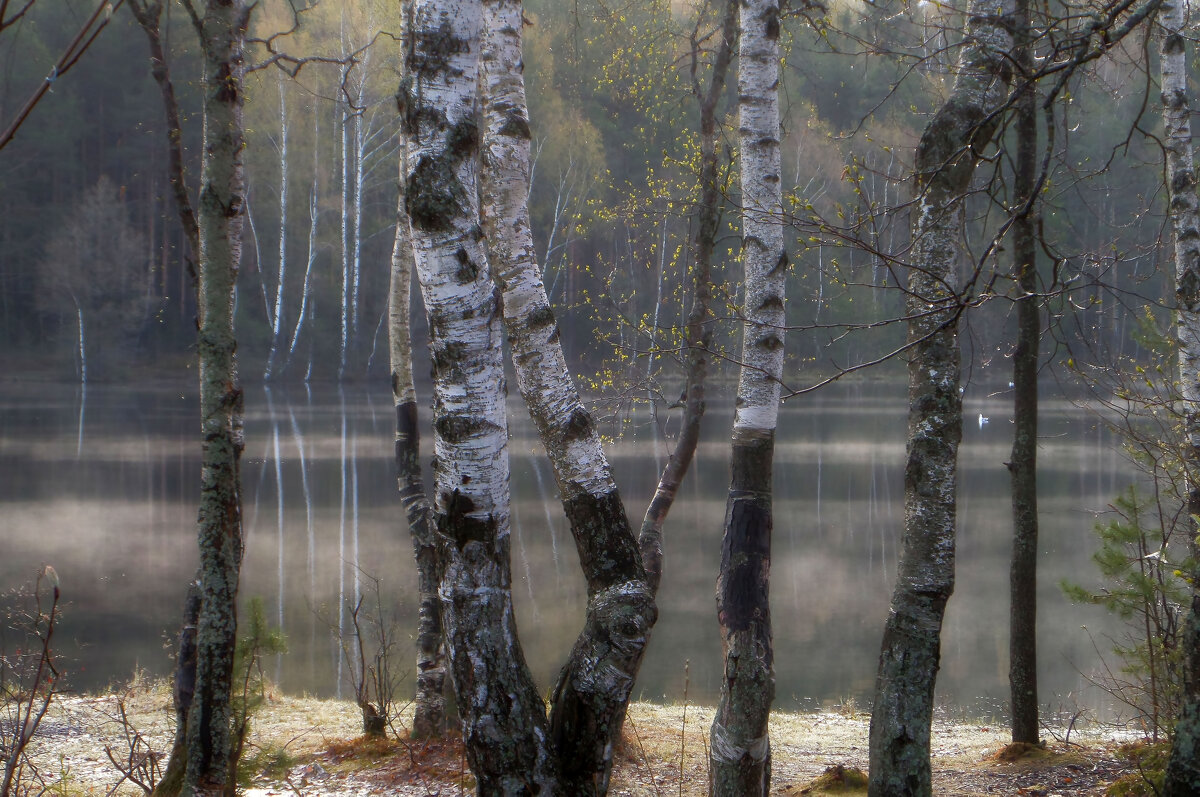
x,y
1183,769
699,321
946,157
740,750
1022,635
429,710
589,701
209,734
503,718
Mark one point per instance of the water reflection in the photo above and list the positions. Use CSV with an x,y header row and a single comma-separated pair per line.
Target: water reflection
x,y
114,511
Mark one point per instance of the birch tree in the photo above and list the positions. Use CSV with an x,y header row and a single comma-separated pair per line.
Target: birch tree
x,y
222,31
698,331
740,751
512,745
947,154
593,689
1183,769
504,726
429,709
275,308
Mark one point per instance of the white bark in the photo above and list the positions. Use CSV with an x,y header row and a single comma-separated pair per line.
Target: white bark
x,y
762,226
503,717
542,375
593,690
313,214
1183,771
740,749
276,317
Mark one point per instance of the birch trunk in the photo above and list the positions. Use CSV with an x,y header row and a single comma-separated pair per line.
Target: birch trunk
x,y
223,30
344,115
699,321
276,316
946,157
429,713
313,215
503,717
593,690
1022,635
740,750
1183,769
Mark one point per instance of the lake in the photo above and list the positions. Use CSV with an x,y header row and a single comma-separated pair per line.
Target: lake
x,y
103,485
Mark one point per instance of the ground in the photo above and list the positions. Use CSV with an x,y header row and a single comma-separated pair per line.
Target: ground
x,y
307,746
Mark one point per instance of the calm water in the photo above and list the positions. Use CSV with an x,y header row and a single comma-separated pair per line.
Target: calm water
x,y
104,487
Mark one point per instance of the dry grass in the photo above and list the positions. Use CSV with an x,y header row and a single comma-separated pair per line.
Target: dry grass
x,y
314,747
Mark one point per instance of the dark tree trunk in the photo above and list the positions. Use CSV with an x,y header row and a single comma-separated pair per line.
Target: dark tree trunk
x,y
1022,640
184,688
149,16
949,149
210,739
699,321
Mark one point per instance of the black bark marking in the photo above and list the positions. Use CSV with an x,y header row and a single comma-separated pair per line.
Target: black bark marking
x,y
408,456
227,84
462,139
459,428
432,50
780,264
467,270
541,317
742,590
455,521
772,302
447,357
515,126
578,426
433,194
771,23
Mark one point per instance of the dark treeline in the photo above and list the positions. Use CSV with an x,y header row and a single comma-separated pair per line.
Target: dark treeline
x,y
88,233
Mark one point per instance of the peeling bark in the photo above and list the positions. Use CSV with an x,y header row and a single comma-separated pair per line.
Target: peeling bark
x,y
1183,769
740,750
947,155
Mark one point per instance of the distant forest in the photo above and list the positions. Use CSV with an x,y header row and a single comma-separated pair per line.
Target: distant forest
x,y
89,234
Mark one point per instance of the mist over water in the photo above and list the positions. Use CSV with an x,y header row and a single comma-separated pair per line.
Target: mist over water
x,y
104,486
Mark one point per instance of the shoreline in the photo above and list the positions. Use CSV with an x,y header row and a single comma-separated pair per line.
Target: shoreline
x,y
310,746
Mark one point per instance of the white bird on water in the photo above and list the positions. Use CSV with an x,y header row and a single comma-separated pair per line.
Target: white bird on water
x,y
982,420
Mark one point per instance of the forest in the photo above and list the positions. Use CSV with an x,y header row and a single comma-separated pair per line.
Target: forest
x,y
623,210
